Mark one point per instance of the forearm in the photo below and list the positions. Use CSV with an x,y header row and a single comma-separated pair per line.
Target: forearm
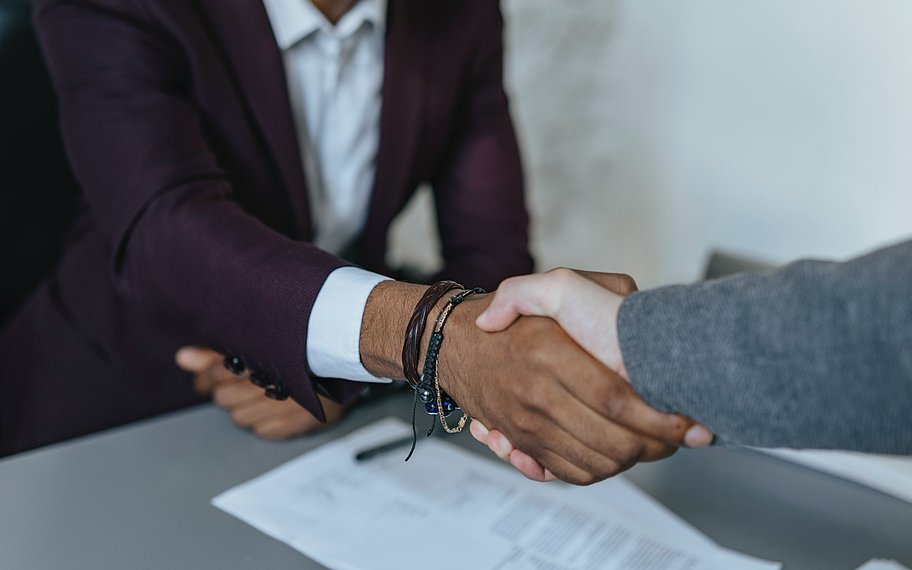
x,y
195,261
817,355
207,272
479,187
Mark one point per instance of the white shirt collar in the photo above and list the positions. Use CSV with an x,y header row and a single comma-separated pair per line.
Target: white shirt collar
x,y
294,20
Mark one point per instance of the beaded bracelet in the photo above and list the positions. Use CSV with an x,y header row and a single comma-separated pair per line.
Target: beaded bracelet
x,y
415,329
414,332
436,401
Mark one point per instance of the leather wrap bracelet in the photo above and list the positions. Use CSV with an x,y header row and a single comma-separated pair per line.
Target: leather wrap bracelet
x,y
416,326
427,386
436,401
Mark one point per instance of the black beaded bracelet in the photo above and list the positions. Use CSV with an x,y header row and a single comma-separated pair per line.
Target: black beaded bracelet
x,y
437,402
414,332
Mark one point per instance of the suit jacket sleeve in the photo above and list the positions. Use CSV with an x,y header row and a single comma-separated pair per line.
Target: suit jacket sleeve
x,y
182,248
481,212
816,355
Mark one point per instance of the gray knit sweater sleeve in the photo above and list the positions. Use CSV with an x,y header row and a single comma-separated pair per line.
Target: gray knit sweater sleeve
x,y
816,355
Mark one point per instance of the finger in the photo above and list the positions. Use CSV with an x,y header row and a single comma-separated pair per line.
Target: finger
x,y
623,445
255,410
479,431
627,447
523,462
632,412
331,409
196,359
668,429
527,295
698,436
599,433
599,439
571,472
619,283
500,445
291,424
228,395
206,381
601,459
530,468
609,396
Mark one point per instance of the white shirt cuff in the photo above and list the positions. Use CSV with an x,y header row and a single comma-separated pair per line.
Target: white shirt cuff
x,y
334,330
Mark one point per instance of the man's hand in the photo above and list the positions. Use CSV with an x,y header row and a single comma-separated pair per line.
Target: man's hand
x,y
586,306
249,408
564,409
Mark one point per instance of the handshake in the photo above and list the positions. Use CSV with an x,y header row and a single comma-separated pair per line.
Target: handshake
x,y
558,403
537,365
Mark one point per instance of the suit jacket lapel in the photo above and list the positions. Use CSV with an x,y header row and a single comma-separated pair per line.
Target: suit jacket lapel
x,y
243,31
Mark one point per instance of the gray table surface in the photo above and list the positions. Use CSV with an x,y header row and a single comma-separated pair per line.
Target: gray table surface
x,y
138,497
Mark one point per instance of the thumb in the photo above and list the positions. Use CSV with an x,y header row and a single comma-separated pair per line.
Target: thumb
x,y
526,295
499,315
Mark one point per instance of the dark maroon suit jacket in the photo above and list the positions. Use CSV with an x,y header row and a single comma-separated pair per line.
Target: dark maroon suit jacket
x,y
178,127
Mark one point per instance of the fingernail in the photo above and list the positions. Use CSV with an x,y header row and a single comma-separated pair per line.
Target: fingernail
x,y
698,436
480,428
482,317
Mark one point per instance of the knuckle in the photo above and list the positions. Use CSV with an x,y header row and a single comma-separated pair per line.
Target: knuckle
x,y
562,277
270,432
524,424
507,287
538,361
603,396
543,397
561,274
628,450
664,451
221,399
614,470
586,480
608,467
239,417
626,284
671,429
615,406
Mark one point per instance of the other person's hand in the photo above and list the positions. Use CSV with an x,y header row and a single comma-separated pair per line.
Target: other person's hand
x,y
586,306
572,417
249,407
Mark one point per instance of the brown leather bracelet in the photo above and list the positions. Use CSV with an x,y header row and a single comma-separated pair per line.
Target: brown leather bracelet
x,y
414,332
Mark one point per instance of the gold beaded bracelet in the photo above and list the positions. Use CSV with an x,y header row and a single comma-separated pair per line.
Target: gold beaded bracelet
x,y
442,404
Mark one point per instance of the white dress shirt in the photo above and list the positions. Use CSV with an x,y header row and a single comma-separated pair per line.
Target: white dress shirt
x,y
335,81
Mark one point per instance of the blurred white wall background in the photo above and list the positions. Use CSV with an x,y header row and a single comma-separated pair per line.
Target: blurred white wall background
x,y
656,131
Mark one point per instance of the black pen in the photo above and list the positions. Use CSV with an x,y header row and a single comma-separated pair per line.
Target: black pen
x,y
372,452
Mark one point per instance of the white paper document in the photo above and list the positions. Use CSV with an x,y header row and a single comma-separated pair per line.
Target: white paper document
x,y
879,564
448,508
888,474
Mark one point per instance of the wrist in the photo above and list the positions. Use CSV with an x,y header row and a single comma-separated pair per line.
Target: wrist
x,y
617,356
464,344
386,315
